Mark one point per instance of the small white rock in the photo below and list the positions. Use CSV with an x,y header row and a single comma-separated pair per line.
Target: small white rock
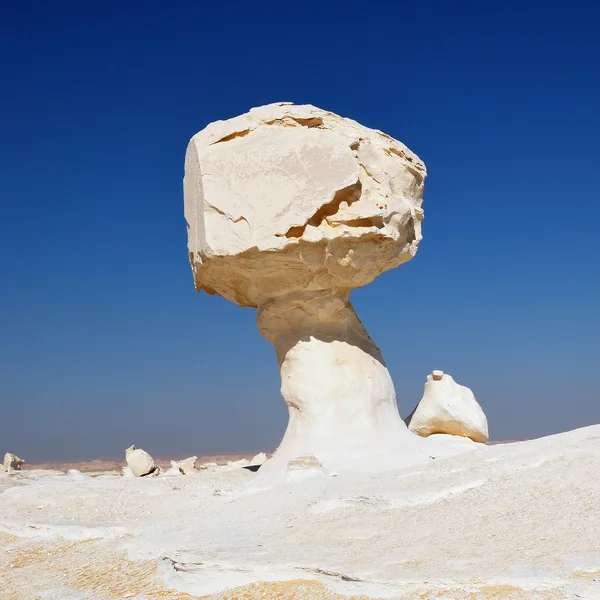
x,y
174,470
208,466
188,465
449,408
12,461
140,462
259,459
76,475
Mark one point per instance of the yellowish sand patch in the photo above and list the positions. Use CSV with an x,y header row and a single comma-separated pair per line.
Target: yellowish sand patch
x,y
101,569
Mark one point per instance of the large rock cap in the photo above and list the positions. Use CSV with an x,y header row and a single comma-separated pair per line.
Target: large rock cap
x,y
292,197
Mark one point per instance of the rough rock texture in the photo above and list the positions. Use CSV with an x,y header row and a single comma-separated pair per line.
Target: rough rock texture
x,y
447,407
288,209
302,463
12,461
208,466
187,465
276,200
139,461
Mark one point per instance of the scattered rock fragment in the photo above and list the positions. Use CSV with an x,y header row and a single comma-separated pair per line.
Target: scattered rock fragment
x,y
238,464
12,461
208,466
76,475
450,408
140,462
259,459
174,470
188,465
183,467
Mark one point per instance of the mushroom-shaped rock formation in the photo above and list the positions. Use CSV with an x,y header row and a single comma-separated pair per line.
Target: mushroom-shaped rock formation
x,y
12,462
289,208
447,407
140,462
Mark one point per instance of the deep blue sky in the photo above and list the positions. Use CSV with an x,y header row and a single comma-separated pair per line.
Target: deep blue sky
x,y
104,342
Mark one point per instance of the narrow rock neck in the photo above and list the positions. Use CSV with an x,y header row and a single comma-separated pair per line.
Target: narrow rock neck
x,y
327,316
339,393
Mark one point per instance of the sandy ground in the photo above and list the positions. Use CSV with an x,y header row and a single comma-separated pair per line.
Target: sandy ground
x,y
513,521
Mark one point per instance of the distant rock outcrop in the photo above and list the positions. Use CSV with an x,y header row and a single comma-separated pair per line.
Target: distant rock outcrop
x,y
174,470
188,465
238,464
447,407
183,467
258,460
140,462
12,461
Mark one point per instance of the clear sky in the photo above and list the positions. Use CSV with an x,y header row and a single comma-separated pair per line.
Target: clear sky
x,y
103,341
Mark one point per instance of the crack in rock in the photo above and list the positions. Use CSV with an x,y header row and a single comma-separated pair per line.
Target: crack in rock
x,y
349,194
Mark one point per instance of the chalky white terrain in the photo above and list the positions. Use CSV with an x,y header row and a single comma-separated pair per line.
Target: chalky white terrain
x,y
505,522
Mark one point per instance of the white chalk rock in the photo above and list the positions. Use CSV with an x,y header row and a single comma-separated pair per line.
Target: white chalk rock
x,y
258,460
139,461
208,466
76,475
238,464
12,462
188,465
450,408
288,209
174,470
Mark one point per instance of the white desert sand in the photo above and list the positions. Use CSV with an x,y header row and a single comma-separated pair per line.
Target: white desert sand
x,y
509,521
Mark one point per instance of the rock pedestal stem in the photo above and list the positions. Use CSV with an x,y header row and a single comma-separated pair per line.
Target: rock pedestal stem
x,y
338,390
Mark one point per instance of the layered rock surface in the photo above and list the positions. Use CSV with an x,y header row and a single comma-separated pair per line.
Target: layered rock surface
x,y
292,197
